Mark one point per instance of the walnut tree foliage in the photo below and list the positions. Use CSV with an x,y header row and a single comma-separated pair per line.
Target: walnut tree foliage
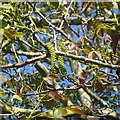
x,y
60,60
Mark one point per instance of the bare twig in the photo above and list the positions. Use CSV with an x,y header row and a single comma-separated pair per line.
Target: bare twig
x,y
67,12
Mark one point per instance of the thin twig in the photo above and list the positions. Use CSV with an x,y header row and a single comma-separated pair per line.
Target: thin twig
x,y
54,27
18,65
65,15
46,91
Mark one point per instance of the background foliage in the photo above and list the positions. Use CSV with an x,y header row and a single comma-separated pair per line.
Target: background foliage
x,y
60,60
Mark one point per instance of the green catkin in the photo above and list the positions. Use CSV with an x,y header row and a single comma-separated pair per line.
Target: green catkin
x,y
61,64
52,54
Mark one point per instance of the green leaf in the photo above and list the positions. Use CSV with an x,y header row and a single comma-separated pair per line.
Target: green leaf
x,y
16,97
18,34
94,54
3,93
54,4
5,6
74,110
87,50
58,113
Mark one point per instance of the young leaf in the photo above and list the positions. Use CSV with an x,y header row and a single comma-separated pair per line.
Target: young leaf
x,y
3,93
58,113
75,110
18,34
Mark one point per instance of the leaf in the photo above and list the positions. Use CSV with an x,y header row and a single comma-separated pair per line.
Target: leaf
x,y
102,76
54,95
52,54
89,24
101,32
115,37
58,113
94,54
3,93
74,110
64,97
57,96
17,97
18,34
98,86
99,26
5,6
54,4
3,79
8,33
49,80
115,5
10,84
53,75
87,50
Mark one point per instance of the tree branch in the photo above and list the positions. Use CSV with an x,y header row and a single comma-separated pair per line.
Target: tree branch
x,y
88,60
18,65
74,57
59,89
54,27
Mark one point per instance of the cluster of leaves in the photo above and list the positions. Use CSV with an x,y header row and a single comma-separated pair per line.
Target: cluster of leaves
x,y
52,54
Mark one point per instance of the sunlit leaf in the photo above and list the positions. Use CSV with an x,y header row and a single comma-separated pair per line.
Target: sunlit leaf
x,y
48,80
115,88
58,113
17,97
102,76
5,6
87,50
3,93
18,34
115,5
75,110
